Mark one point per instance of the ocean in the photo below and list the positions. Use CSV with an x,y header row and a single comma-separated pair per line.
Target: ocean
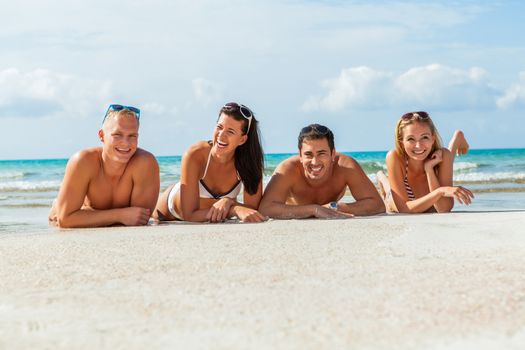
x,y
28,187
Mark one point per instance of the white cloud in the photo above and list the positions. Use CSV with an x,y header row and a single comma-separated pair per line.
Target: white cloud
x,y
444,87
435,86
206,91
41,93
354,87
514,95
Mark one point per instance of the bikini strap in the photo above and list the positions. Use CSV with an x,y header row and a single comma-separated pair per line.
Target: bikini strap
x,y
408,188
207,164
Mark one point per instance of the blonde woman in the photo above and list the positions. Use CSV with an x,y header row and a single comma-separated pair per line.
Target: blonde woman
x,y
420,169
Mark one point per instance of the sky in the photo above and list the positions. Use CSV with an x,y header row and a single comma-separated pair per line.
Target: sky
x,y
354,66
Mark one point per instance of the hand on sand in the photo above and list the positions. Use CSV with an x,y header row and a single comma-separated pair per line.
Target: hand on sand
x,y
327,213
134,216
461,194
219,210
246,214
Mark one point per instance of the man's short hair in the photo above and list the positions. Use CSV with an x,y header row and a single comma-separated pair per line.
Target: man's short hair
x,y
124,112
316,132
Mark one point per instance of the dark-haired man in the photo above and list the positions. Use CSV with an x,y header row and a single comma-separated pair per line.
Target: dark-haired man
x,y
312,183
117,183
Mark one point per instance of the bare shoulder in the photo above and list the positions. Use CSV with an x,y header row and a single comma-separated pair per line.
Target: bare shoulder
x,y
393,155
86,159
197,151
346,162
289,166
446,154
394,158
143,158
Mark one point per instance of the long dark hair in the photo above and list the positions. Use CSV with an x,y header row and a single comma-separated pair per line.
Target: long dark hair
x,y
249,157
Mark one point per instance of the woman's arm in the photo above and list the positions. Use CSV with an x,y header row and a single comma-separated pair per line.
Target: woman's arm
x,y
442,161
247,211
395,166
191,168
395,175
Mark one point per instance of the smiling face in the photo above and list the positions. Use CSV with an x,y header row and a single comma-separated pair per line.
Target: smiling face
x,y
417,140
119,136
228,135
317,159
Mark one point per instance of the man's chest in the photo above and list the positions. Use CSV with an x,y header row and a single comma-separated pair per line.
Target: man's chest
x,y
104,194
302,194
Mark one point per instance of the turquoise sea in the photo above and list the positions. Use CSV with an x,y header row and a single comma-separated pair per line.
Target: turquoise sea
x,y
27,187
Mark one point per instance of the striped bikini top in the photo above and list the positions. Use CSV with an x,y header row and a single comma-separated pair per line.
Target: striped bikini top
x,y
410,193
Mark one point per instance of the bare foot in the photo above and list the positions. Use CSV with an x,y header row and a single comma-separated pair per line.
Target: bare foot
x,y
458,144
384,185
386,192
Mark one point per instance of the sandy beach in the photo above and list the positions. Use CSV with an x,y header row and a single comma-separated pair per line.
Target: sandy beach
x,y
451,281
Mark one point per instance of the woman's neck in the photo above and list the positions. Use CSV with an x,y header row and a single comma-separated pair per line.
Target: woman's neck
x,y
222,159
416,167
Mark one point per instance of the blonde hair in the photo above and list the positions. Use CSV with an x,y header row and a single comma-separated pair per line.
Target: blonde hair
x,y
123,112
409,119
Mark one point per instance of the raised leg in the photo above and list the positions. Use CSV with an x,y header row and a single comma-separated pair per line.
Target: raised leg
x,y
386,192
458,144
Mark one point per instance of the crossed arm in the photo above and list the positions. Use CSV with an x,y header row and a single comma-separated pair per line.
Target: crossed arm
x,y
68,210
273,204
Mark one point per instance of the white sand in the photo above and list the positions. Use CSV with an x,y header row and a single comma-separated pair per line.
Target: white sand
x,y
452,281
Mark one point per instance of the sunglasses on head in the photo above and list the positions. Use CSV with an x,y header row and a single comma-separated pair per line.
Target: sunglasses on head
x,y
415,115
118,108
320,129
245,111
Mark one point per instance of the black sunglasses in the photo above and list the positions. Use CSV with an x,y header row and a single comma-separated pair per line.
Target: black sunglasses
x,y
245,111
319,129
118,108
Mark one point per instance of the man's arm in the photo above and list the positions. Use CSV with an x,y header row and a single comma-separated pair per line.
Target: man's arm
x,y
367,199
68,208
146,181
273,203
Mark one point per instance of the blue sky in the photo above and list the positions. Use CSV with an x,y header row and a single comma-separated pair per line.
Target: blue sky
x,y
354,66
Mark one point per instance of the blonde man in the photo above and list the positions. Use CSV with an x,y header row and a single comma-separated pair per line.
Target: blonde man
x,y
117,183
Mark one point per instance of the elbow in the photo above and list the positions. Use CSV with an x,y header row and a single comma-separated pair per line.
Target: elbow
x,y
380,207
408,209
374,207
271,209
63,221
446,209
445,206
263,210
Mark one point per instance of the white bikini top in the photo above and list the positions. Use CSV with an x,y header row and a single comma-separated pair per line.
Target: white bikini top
x,y
205,192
